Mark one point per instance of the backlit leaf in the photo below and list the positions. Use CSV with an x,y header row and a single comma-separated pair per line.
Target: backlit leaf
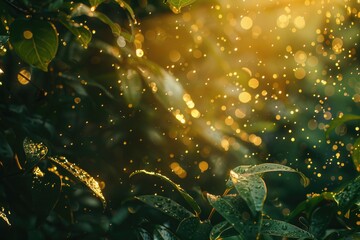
x,y
183,193
176,5
166,205
131,87
95,3
126,6
35,41
356,154
34,152
4,216
193,229
284,229
80,175
81,32
339,121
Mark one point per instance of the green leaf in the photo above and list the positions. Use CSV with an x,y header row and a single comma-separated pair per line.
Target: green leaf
x,y
349,195
339,121
356,154
81,175
126,6
176,5
250,188
283,229
4,215
35,41
219,229
131,87
234,210
95,3
320,220
183,193
162,233
193,229
166,205
268,167
81,32
34,152
81,9
3,39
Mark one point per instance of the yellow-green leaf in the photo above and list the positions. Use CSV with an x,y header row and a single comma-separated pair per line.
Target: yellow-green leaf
x,y
35,41
339,121
176,5
95,3
81,32
126,6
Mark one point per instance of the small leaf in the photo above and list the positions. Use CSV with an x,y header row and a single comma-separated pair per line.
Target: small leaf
x,y
250,188
349,195
183,193
234,210
162,233
34,152
219,229
166,205
131,86
176,5
356,154
81,32
4,216
81,9
3,39
339,121
95,3
35,41
126,6
193,229
283,229
80,175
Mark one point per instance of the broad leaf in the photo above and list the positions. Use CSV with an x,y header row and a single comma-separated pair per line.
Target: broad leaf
x,y
183,193
35,41
234,210
339,121
95,3
252,189
80,175
320,219
193,229
34,152
131,87
284,229
349,195
82,9
81,32
162,233
219,229
356,154
166,205
176,5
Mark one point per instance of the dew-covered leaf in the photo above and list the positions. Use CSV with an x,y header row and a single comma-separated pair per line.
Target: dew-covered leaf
x,y
193,229
95,3
356,154
176,5
81,32
4,215
34,152
320,219
131,87
35,41
162,233
339,121
234,210
268,167
81,9
166,205
284,229
80,175
219,229
190,200
252,189
126,6
349,195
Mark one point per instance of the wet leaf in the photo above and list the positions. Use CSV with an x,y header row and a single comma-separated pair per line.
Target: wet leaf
x,y
166,205
356,154
145,235
284,229
250,188
268,167
219,229
4,216
81,32
339,121
162,233
193,229
126,6
234,210
131,86
176,5
34,152
82,9
35,41
320,219
81,175
95,3
349,195
183,193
